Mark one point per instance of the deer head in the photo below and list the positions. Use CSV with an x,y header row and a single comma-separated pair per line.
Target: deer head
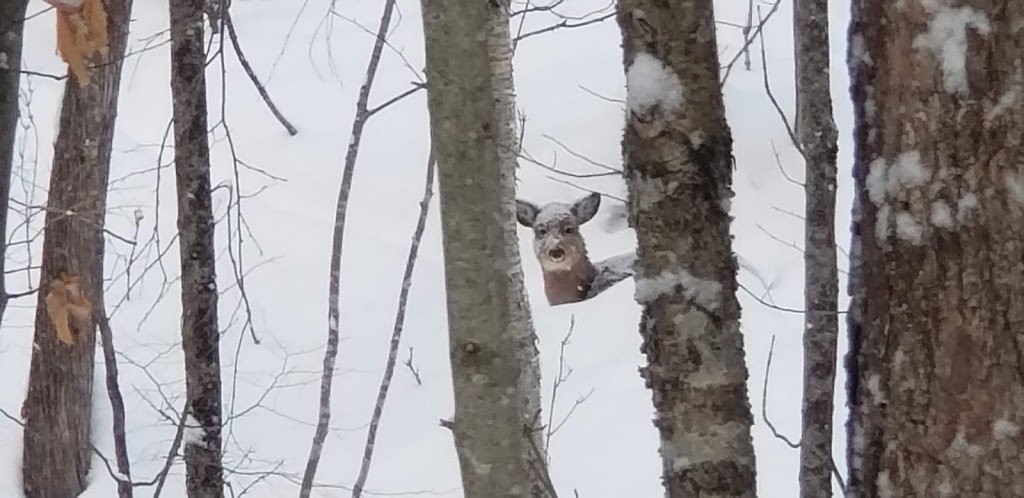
x,y
559,247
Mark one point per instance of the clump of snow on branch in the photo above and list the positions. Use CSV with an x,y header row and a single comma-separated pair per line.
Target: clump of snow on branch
x,y
946,39
705,293
193,432
650,84
890,181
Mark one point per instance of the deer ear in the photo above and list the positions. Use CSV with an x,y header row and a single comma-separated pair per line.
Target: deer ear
x,y
586,208
526,212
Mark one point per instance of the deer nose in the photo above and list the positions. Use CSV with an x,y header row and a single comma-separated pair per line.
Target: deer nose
x,y
556,253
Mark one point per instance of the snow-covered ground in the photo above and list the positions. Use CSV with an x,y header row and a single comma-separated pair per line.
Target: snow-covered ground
x,y
313,64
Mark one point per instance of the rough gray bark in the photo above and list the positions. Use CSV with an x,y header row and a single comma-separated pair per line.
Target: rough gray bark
x,y
12,26
678,163
492,342
58,405
199,332
816,133
936,375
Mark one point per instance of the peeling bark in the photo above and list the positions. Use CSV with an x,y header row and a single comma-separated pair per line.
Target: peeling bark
x,y
678,162
12,27
199,332
58,405
937,319
492,341
817,136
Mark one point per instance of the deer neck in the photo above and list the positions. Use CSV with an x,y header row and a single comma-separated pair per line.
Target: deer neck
x,y
571,285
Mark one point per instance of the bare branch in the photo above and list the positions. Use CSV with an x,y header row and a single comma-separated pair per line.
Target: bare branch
x,y
396,334
226,17
764,400
124,488
333,312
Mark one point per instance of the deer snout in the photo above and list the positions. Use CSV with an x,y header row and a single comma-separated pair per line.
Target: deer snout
x,y
556,254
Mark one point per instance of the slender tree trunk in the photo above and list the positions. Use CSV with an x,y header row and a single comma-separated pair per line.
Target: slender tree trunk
x,y
199,332
58,406
493,345
936,362
678,161
816,134
12,27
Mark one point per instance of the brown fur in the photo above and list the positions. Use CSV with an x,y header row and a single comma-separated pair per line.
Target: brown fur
x,y
569,286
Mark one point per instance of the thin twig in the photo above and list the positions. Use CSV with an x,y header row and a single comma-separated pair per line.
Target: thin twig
x,y
396,333
749,40
764,400
771,96
124,487
252,74
415,371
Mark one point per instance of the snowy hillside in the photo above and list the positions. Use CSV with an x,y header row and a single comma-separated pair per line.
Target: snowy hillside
x,y
313,63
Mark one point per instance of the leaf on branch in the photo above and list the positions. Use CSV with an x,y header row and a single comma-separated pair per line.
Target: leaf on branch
x,y
64,302
81,34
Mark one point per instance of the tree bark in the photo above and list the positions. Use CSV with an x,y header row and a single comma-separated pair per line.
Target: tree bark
x,y
493,348
816,134
12,27
678,164
936,375
199,331
58,405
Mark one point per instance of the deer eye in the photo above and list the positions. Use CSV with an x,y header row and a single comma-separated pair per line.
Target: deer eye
x,y
541,232
568,230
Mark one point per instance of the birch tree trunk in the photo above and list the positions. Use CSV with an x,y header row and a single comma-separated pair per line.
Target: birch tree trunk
x,y
678,161
493,348
58,405
199,332
816,134
12,27
936,362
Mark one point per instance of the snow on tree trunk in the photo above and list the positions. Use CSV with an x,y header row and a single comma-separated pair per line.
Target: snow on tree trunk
x,y
12,13
492,342
678,160
817,135
58,405
936,364
199,332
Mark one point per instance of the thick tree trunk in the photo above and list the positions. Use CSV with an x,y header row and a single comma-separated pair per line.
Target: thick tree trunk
x,y
936,343
678,161
493,345
58,405
199,332
12,26
817,135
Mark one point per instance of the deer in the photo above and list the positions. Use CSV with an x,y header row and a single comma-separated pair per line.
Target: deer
x,y
569,274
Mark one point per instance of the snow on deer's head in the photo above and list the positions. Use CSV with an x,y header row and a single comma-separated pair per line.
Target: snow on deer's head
x,y
557,242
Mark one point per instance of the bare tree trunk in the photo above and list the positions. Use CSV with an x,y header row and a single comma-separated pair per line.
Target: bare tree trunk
x,y
678,164
817,135
12,27
199,332
493,345
58,406
936,344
